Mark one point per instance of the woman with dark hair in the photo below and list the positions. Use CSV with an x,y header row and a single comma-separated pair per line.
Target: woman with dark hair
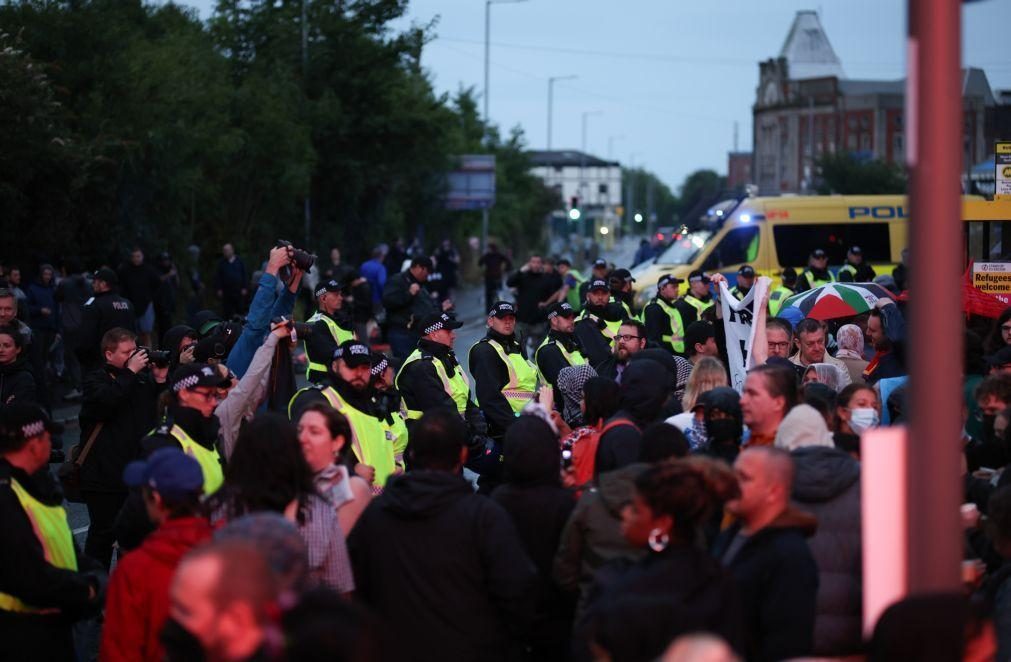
x,y
16,381
267,472
857,409
1000,333
599,402
676,588
323,432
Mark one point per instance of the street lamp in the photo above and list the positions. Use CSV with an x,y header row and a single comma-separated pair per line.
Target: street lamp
x,y
551,92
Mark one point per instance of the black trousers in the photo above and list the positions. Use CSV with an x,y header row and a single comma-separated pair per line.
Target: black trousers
x,y
103,507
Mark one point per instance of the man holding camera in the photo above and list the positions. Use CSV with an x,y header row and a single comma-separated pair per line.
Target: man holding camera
x,y
106,310
330,327
118,409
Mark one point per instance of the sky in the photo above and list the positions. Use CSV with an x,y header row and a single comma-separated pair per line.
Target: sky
x,y
665,80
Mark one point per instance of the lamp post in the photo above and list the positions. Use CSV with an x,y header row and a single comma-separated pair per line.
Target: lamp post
x,y
582,162
551,101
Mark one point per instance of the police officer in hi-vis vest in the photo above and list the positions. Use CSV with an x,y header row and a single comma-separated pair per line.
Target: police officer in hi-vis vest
x,y
663,323
560,348
348,391
599,322
45,583
817,272
331,327
697,304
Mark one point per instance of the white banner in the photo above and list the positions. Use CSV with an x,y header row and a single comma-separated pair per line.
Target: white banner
x,y
737,322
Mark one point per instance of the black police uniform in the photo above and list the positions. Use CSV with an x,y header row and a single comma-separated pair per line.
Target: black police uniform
x,y
102,312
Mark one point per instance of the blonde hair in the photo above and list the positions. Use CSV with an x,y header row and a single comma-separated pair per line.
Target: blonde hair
x,y
707,374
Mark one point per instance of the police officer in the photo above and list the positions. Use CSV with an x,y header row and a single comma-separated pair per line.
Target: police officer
x,y
620,282
560,348
504,381
599,322
817,273
45,583
347,391
388,406
407,302
696,304
106,310
745,281
661,318
783,292
598,271
330,327
856,270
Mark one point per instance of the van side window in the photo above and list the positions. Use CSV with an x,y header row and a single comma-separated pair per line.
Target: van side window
x,y
794,242
739,246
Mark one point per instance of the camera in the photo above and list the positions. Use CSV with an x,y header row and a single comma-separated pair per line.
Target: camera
x,y
566,454
300,258
160,358
218,343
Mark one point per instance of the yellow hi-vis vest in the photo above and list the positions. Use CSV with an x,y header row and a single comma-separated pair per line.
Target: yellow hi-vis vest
x,y
209,460
396,433
456,387
572,358
339,335
676,337
777,297
700,307
50,526
817,282
522,382
369,441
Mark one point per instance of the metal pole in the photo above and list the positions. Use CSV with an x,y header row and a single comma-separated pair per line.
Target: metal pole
x,y
551,92
487,55
934,153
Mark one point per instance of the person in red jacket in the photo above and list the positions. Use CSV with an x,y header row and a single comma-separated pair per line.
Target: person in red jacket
x,y
137,603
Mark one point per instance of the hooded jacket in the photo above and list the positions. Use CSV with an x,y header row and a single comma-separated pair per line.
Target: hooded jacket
x,y
827,484
592,536
445,567
16,382
777,579
643,392
137,601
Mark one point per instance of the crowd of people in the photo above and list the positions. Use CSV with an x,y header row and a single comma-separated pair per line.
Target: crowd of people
x,y
591,487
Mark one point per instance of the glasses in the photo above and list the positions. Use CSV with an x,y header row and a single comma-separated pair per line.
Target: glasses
x,y
778,345
624,337
208,396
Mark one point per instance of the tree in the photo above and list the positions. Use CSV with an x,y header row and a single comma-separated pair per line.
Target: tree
x,y
665,203
699,188
843,174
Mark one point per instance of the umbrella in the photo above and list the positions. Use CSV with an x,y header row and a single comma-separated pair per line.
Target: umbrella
x,y
837,300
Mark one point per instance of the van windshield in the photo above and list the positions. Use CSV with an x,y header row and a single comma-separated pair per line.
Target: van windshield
x,y
685,249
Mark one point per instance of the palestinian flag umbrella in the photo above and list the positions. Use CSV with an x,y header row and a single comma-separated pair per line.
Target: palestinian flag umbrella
x,y
837,300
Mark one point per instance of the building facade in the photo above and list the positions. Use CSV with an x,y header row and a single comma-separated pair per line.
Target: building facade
x,y
586,180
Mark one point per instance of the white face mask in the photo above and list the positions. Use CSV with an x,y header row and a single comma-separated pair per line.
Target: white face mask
x,y
863,419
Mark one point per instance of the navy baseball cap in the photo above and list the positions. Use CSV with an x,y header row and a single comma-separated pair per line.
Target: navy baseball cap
x,y
328,286
502,309
747,271
21,422
106,275
191,375
667,279
856,250
623,274
818,253
698,275
598,284
168,471
353,353
600,263
562,309
437,321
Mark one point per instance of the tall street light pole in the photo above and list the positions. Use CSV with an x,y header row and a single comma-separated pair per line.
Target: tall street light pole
x,y
551,101
487,67
582,163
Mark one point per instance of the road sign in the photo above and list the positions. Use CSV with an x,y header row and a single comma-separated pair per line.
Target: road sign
x,y
472,184
1002,170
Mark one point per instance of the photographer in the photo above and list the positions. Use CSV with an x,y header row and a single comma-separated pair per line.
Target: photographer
x,y
331,327
267,305
120,399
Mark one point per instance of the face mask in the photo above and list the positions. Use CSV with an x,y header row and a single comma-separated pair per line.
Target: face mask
x,y
863,419
723,430
180,645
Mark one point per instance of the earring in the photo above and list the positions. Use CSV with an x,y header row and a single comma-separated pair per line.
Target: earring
x,y
658,540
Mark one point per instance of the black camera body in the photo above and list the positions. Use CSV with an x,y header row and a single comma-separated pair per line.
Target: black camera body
x,y
218,343
300,258
160,358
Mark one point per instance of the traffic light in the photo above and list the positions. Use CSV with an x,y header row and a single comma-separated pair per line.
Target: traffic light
x,y
574,212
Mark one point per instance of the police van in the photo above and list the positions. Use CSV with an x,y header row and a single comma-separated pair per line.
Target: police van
x,y
771,233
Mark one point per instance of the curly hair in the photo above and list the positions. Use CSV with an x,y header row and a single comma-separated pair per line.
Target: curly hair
x,y
688,490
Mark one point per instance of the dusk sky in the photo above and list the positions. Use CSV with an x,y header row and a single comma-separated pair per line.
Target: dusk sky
x,y
670,78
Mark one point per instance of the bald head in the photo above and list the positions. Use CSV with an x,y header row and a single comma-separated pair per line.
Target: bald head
x,y
777,465
765,477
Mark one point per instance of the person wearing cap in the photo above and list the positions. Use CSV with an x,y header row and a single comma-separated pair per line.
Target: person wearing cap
x,y
347,391
560,348
137,600
620,281
407,302
388,406
330,328
662,320
598,271
46,584
696,304
786,290
599,322
504,380
855,270
105,310
118,408
745,281
817,272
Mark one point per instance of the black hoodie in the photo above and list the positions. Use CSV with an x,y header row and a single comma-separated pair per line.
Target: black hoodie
x,y
643,392
17,383
444,567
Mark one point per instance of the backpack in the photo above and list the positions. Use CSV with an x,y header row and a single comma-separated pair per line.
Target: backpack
x,y
579,449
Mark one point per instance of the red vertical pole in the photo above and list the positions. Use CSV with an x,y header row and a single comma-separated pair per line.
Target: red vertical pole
x,y
934,145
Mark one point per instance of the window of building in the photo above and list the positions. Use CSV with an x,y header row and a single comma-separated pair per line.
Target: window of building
x,y
794,243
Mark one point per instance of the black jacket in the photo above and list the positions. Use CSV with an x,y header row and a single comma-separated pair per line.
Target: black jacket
x,y
445,568
419,383
16,383
139,284
550,359
126,405
490,376
25,574
102,312
641,607
803,284
865,274
402,307
689,314
596,345
827,485
320,345
658,325
643,392
777,579
531,289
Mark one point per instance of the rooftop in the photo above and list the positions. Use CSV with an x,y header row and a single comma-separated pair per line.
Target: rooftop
x,y
566,157
807,50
